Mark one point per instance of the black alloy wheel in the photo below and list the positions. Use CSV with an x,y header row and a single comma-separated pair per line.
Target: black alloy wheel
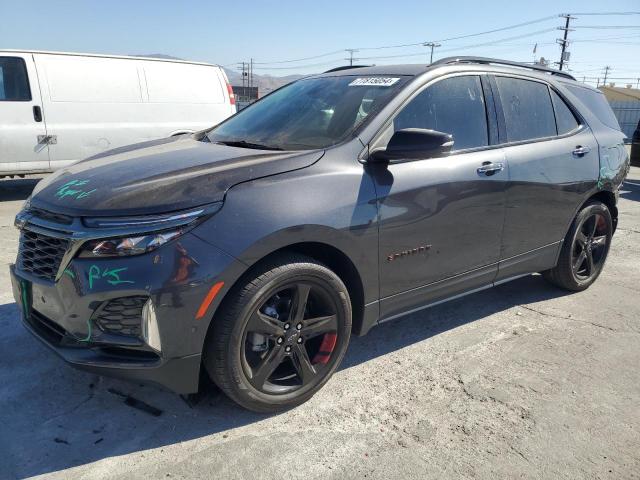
x,y
290,338
281,334
589,246
584,250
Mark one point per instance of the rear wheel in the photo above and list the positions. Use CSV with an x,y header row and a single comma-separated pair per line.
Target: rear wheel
x,y
281,335
584,250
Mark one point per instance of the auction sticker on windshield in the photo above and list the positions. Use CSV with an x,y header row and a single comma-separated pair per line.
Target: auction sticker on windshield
x,y
373,82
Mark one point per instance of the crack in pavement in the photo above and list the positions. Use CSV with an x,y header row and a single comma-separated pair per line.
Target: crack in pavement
x,y
72,409
545,314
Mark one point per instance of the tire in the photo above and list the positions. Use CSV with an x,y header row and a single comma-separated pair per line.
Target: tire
x,y
265,320
571,273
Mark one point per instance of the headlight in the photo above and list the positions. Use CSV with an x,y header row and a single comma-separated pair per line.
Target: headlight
x,y
127,236
124,246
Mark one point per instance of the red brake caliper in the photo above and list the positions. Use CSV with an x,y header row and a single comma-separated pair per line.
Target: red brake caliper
x,y
326,348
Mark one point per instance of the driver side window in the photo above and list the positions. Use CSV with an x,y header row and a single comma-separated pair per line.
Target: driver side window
x,y
454,105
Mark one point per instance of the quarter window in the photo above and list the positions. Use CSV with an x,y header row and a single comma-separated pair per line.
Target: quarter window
x,y
528,113
14,83
453,105
595,101
565,119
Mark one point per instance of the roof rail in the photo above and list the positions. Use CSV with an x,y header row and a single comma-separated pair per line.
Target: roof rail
x,y
495,61
346,67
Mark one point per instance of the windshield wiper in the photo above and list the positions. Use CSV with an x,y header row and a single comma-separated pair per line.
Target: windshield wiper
x,y
245,144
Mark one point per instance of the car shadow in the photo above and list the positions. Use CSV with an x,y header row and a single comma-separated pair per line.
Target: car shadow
x,y
57,418
17,189
630,190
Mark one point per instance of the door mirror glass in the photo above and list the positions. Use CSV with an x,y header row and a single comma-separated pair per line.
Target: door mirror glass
x,y
413,144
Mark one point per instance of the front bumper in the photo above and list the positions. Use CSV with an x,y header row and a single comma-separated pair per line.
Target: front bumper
x,y
176,277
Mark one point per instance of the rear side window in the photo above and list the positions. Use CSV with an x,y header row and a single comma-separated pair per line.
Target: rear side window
x,y
14,83
528,113
597,103
565,119
453,105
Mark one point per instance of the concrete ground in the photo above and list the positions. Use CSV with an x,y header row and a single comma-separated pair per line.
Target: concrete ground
x,y
521,381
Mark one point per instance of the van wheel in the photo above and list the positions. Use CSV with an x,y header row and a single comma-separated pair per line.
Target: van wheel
x,y
281,335
584,249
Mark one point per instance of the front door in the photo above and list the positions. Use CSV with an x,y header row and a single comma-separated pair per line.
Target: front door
x,y
441,218
23,141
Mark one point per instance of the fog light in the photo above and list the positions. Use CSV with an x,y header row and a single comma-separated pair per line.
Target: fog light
x,y
150,331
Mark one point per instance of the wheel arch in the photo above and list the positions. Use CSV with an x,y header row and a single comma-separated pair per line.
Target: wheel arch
x,y
334,258
609,199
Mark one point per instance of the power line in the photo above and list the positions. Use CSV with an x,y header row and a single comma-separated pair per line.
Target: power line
x,y
608,27
523,24
607,13
518,25
300,59
264,65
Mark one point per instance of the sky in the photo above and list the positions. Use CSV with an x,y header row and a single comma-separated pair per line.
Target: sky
x,y
229,32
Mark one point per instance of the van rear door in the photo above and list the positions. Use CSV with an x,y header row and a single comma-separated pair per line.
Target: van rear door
x,y
23,134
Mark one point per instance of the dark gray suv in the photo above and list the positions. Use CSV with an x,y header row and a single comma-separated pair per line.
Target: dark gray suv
x,y
254,250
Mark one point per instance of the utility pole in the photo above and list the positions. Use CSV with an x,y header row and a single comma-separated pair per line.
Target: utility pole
x,y
606,74
251,74
351,51
244,75
432,45
564,42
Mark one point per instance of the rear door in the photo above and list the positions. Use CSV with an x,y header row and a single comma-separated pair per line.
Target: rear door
x,y
441,218
23,146
553,161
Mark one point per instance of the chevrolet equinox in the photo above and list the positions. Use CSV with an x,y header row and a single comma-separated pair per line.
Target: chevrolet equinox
x,y
253,251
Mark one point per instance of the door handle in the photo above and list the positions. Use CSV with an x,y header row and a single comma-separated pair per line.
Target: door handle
x,y
581,151
37,113
47,139
489,168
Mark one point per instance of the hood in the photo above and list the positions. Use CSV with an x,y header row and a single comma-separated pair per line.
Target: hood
x,y
158,177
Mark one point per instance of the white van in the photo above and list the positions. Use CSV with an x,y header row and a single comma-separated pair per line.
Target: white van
x,y
57,108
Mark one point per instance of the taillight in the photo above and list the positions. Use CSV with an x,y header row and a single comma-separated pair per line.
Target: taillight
x,y
232,97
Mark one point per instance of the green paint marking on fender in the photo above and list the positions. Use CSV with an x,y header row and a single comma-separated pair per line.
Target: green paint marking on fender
x,y
71,190
606,174
112,276
69,273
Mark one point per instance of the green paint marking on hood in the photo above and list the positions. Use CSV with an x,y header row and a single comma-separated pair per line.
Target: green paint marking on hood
x,y
70,190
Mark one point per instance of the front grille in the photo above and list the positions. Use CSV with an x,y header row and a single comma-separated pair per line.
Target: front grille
x,y
121,315
41,255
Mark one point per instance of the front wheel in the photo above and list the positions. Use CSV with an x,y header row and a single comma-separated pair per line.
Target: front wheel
x,y
281,335
584,250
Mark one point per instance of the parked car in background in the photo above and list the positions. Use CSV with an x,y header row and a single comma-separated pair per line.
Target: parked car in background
x,y
57,108
253,251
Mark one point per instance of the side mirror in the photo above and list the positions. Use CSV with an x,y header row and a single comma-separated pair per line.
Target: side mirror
x,y
413,144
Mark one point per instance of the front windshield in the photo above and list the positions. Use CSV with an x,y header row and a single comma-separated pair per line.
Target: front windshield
x,y
308,114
